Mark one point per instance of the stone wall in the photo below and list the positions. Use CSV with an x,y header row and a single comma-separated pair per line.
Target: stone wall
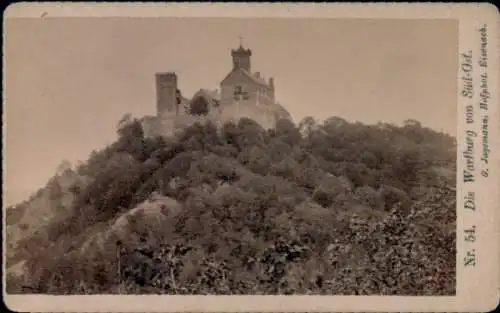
x,y
169,124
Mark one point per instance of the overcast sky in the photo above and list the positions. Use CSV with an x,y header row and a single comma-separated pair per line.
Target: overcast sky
x,y
69,80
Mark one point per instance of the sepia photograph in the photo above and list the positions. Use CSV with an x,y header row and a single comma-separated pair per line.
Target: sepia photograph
x,y
249,156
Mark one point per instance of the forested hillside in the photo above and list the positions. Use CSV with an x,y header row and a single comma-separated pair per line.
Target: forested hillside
x,y
318,208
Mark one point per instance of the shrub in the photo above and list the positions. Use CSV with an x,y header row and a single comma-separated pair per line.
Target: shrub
x,y
323,208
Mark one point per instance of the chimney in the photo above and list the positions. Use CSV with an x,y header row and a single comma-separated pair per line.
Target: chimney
x,y
257,74
271,83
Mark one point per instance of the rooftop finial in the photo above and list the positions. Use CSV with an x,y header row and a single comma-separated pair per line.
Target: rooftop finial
x,y
241,41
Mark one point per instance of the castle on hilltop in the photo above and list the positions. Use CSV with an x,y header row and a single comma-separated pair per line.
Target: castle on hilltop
x,y
242,93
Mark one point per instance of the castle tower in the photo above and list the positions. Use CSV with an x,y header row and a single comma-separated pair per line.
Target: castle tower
x,y
241,58
166,93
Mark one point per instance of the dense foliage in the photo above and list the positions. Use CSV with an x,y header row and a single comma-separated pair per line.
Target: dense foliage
x,y
199,107
318,208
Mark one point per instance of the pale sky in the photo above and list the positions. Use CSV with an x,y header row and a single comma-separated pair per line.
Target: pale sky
x,y
69,80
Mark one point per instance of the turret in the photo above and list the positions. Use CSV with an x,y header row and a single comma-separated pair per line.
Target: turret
x,y
241,58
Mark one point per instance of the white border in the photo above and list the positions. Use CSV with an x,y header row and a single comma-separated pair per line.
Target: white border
x,y
477,289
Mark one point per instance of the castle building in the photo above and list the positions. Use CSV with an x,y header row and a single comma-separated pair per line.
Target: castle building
x,y
242,93
241,84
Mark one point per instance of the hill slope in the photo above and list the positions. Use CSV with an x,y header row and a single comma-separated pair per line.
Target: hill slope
x,y
331,208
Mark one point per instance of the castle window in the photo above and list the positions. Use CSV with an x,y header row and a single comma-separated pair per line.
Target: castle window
x,y
238,90
239,94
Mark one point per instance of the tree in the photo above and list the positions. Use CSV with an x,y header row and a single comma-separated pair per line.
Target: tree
x,y
412,123
251,134
131,129
243,210
199,106
124,121
64,166
287,131
307,126
334,122
328,189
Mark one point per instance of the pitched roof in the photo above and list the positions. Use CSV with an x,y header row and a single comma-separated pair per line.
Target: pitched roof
x,y
253,77
282,111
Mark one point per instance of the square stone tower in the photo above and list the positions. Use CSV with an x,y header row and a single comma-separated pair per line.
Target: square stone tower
x,y
241,58
166,93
